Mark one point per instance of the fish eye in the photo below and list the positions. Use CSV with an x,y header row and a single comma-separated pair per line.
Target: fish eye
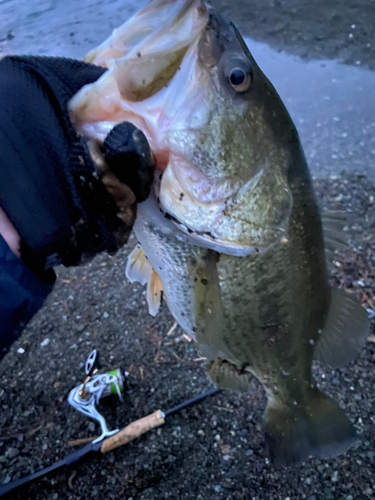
x,y
240,80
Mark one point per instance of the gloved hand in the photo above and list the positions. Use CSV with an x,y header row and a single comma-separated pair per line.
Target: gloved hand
x,y
67,199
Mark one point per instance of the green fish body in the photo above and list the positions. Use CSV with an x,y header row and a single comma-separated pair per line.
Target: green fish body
x,y
232,236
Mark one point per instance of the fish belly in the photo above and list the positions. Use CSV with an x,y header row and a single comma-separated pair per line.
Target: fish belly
x,y
189,277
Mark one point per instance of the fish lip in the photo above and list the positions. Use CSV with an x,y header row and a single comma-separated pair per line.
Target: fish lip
x,y
209,241
158,218
221,246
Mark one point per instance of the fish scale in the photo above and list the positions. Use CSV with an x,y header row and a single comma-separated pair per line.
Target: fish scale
x,y
278,290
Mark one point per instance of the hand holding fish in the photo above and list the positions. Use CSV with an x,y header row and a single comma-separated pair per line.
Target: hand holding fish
x,y
67,179
63,199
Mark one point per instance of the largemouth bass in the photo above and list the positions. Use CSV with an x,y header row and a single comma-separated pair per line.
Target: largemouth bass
x,y
232,235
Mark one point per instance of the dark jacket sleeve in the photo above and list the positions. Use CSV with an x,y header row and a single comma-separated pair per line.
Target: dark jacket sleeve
x,y
21,295
41,163
50,188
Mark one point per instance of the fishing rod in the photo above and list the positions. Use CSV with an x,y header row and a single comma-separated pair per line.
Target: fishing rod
x,y
85,398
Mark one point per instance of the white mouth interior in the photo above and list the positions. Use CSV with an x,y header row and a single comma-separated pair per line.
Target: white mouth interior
x,y
158,42
137,54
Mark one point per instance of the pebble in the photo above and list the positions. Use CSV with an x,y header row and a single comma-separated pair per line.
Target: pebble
x,y
12,452
105,314
170,459
91,426
201,432
45,342
335,476
217,489
20,350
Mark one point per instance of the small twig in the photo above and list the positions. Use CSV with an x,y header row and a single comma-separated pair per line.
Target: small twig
x,y
157,355
172,329
221,408
34,431
179,361
66,307
175,355
70,480
82,441
179,339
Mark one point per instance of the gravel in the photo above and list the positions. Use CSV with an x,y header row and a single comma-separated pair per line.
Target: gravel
x,y
214,450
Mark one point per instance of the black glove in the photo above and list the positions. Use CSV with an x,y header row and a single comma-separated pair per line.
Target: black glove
x,y
63,207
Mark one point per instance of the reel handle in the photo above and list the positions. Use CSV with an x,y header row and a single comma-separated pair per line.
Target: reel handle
x,y
92,363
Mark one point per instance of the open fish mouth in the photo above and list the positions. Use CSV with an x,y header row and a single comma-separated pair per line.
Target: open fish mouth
x,y
163,76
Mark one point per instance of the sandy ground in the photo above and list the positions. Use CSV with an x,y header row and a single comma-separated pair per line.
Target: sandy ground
x,y
215,450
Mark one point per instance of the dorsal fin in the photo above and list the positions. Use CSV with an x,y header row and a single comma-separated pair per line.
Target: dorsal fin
x,y
345,332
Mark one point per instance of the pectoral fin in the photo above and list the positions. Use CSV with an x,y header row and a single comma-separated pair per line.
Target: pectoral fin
x,y
228,376
154,293
139,269
345,332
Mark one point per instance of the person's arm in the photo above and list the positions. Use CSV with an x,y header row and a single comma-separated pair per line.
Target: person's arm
x,y
65,200
21,295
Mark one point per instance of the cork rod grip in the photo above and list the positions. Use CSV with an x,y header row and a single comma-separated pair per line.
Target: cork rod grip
x,y
133,430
